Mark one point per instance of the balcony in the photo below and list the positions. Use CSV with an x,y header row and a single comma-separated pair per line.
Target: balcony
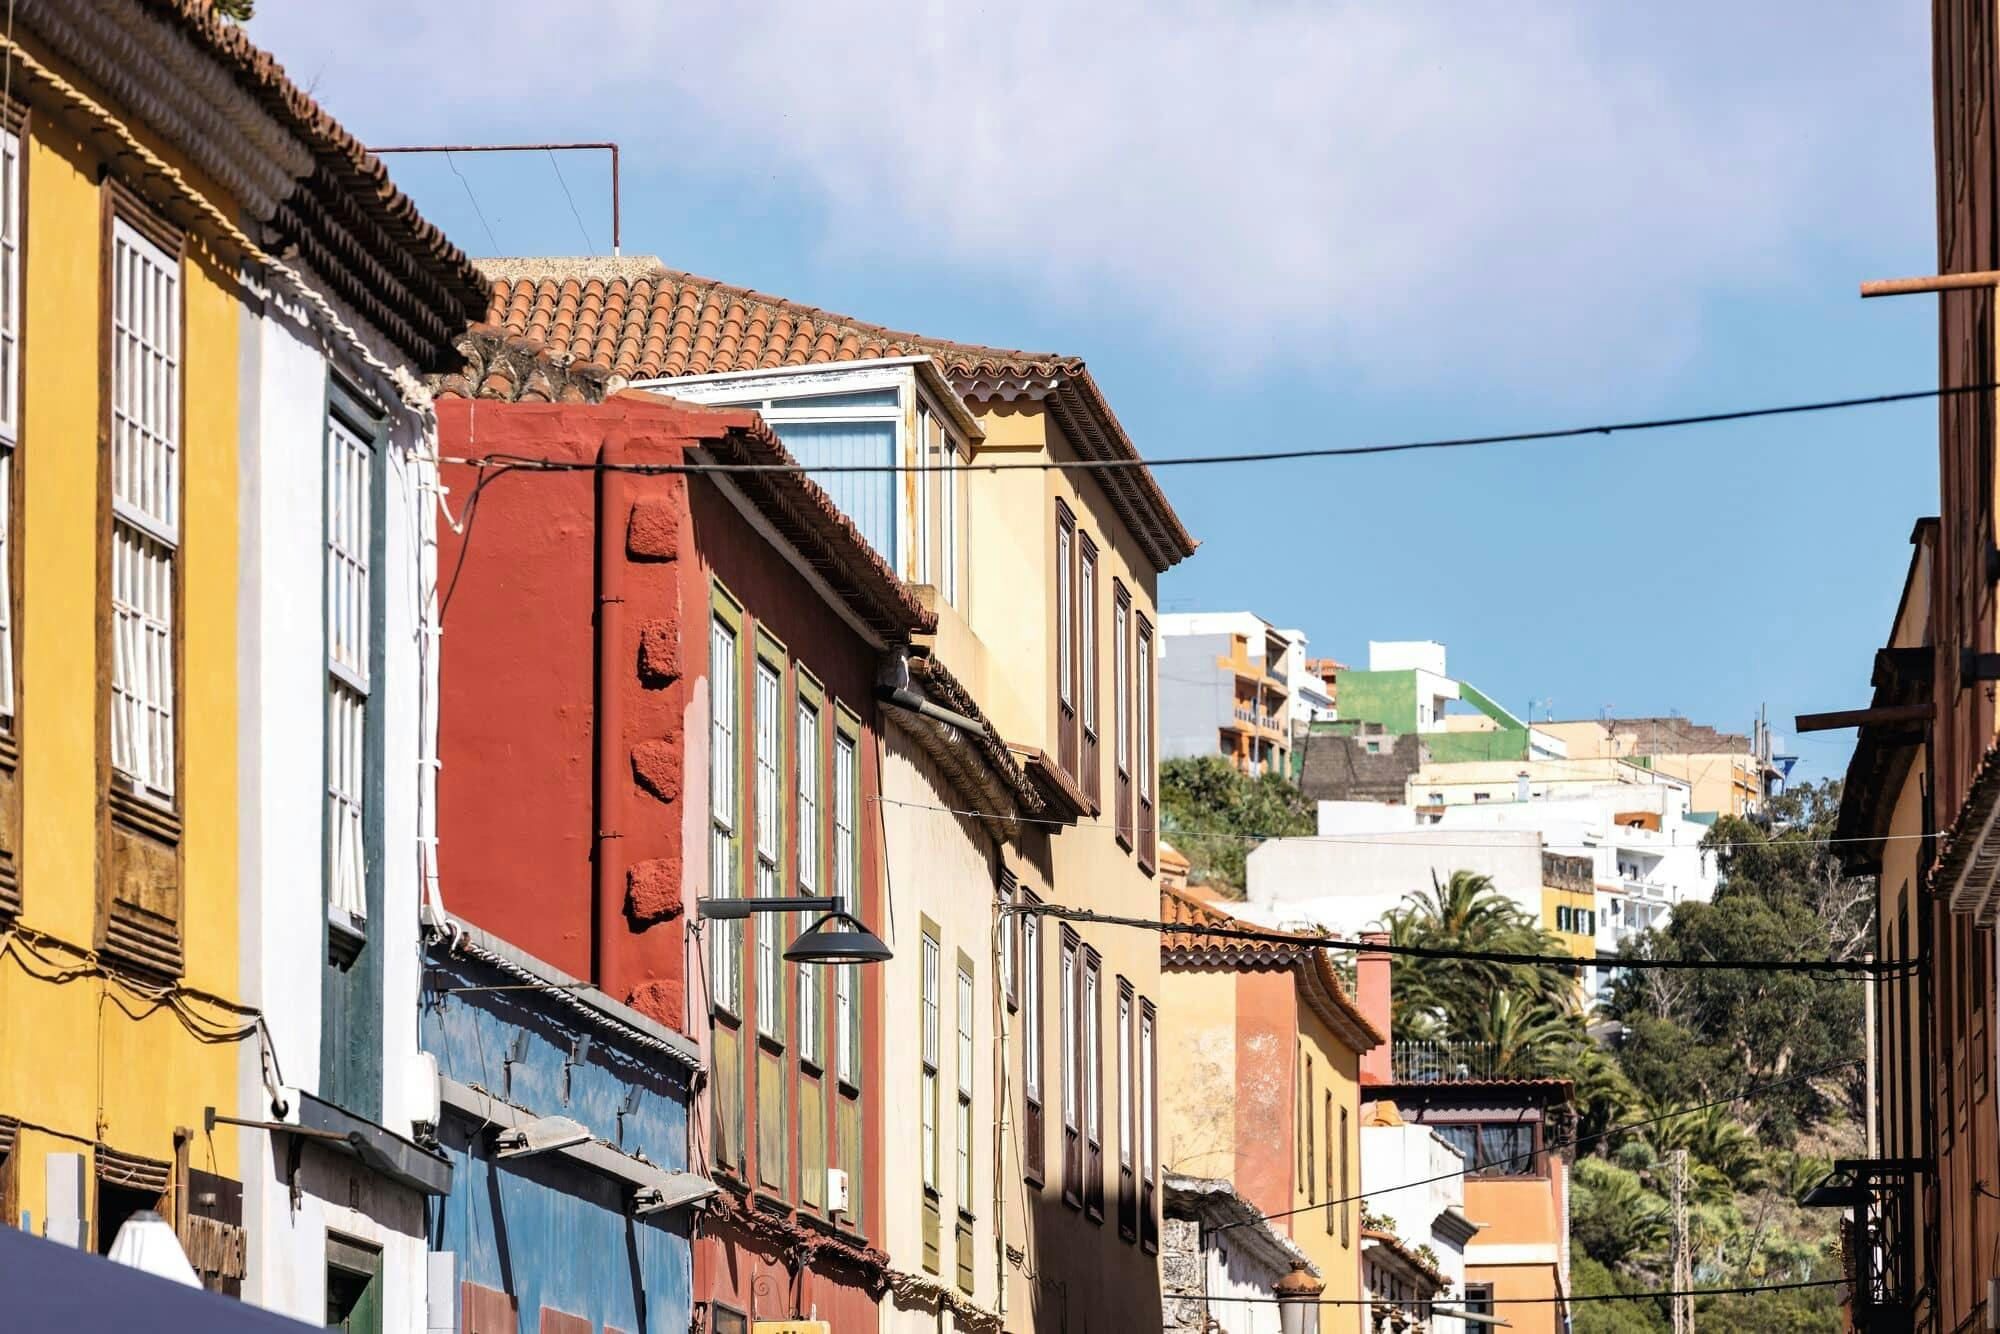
x,y
1441,1062
1644,887
1255,718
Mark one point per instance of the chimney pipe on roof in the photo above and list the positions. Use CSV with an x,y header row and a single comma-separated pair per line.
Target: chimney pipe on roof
x,y
1371,994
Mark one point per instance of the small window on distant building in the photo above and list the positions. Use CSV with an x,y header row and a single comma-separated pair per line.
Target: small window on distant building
x,y
1481,796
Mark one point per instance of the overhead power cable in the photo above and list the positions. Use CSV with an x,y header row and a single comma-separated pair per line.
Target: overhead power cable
x,y
1259,456
1742,1095
1411,838
1864,968
1447,1306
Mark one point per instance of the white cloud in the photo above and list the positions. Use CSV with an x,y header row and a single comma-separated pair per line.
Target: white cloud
x,y
1546,191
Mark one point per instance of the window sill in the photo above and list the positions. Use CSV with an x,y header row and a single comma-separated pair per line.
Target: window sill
x,y
346,936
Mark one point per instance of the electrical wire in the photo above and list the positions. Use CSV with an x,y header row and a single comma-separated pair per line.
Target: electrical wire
x,y
1454,1308
589,245
1570,1143
1867,969
477,211
1261,456
1416,838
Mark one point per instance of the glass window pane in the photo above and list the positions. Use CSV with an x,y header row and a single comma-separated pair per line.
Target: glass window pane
x,y
867,498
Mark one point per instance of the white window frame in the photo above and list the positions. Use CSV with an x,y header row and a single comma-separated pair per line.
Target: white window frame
x,y
1031,1006
349,612
726,962
928,1084
1149,1073
1093,1037
11,215
1072,1118
1086,660
948,527
1065,611
846,853
767,836
145,508
924,451
1125,1105
1121,690
812,1042
965,1076
1143,714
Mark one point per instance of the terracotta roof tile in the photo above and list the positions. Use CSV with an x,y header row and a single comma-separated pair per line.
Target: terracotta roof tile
x,y
660,323
445,290
1308,955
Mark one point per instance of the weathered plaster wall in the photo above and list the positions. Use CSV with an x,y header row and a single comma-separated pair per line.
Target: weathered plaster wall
x,y
1198,1072
551,1233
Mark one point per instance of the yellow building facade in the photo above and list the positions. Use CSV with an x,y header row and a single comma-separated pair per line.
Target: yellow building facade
x,y
117,994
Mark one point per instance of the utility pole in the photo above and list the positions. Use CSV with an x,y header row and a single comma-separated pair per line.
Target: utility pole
x,y
1683,1280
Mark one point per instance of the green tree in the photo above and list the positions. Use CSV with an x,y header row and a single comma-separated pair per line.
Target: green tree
x,y
1216,815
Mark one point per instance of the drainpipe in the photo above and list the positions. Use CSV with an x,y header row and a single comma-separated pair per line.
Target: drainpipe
x,y
607,732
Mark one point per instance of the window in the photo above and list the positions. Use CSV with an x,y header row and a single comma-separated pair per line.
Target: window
x,y
1504,1148
1121,710
928,1094
767,835
948,528
1004,894
1143,742
845,854
1128,1140
353,1286
1312,1180
349,617
145,507
10,395
849,429
806,863
726,962
1031,1044
846,868
1086,611
1149,1126
1093,1082
1478,1299
1065,613
963,1183
1071,1056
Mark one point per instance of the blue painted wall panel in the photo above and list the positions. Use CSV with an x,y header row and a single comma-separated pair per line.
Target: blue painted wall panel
x,y
545,1229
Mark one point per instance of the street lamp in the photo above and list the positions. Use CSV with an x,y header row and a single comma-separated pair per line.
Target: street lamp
x,y
836,937
1298,1300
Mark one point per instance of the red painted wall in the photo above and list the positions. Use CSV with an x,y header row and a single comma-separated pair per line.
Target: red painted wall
x,y
518,716
1267,1097
731,1267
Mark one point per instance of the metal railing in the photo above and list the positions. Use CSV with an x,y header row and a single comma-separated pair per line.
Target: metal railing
x,y
1420,1062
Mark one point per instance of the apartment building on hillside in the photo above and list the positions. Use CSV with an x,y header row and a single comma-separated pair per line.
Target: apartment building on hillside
x,y
1229,685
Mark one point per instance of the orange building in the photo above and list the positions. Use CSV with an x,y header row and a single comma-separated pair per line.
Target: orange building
x,y
1511,1134
1260,1085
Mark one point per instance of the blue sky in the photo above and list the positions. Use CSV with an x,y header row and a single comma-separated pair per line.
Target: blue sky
x,y
1312,224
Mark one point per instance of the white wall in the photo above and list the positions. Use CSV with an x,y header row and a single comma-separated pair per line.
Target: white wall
x,y
1394,1155
1402,655
282,659
1347,877
939,866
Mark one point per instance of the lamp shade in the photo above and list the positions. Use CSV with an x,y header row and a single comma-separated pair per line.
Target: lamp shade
x,y
1298,1300
146,1242
837,938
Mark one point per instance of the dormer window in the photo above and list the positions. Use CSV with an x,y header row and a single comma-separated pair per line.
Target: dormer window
x,y
899,412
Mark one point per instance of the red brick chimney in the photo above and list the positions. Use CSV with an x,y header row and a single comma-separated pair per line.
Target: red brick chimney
x,y
1371,988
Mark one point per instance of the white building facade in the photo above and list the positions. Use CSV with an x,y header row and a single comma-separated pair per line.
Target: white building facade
x,y
1430,1215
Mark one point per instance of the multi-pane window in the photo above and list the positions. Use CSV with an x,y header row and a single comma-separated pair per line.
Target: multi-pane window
x,y
928,1148
811,1042
145,506
726,960
768,832
1143,759
1072,1111
1093,1079
927,454
1149,1092
965,1056
349,523
1065,611
1127,1111
846,1027
846,863
948,528
1086,611
10,395
1121,735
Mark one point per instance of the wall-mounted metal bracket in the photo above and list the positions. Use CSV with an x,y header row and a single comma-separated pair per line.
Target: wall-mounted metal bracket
x,y
1974,666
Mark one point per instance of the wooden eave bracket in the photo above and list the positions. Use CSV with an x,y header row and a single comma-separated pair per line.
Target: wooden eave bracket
x,y
1881,715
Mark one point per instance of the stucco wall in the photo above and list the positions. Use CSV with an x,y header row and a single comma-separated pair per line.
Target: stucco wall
x,y
75,1062
1290,879
1198,1072
941,870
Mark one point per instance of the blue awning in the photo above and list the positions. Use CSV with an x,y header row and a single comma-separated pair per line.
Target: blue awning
x,y
50,1286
